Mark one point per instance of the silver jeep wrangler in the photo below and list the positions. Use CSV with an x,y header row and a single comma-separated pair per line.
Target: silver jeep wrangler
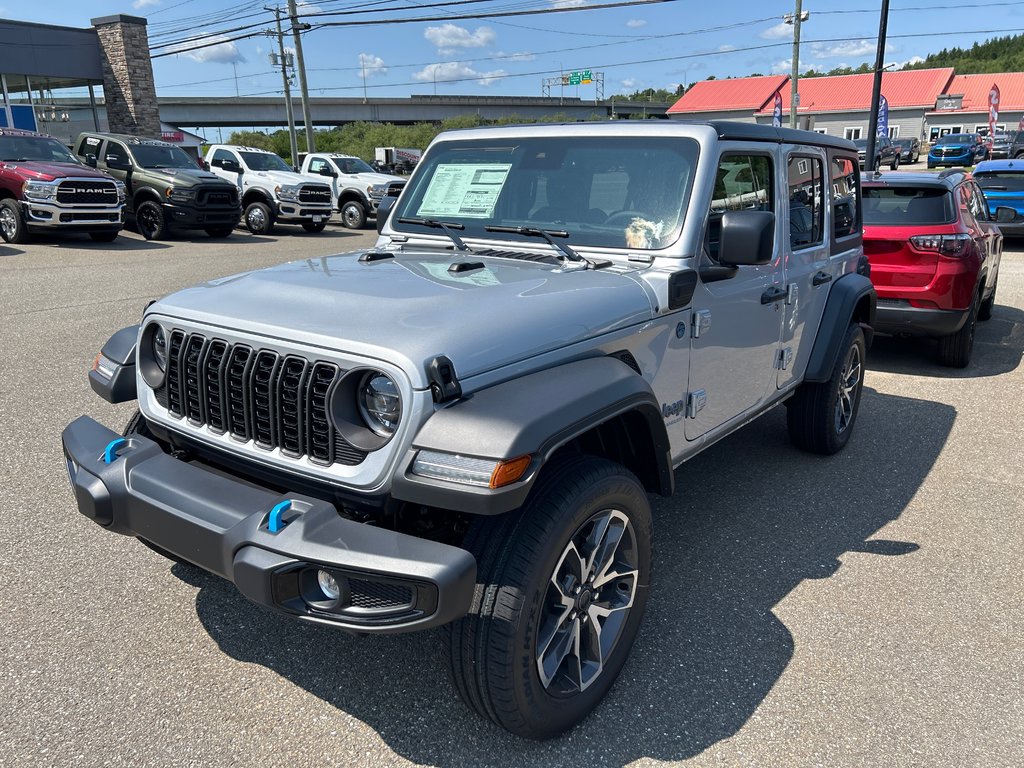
x,y
460,427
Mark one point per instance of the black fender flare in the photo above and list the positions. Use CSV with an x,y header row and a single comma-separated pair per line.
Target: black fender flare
x,y
532,415
119,352
848,293
257,195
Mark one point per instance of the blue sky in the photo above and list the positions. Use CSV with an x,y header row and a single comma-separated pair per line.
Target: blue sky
x,y
653,45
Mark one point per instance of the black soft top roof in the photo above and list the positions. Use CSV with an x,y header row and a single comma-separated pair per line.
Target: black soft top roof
x,y
728,129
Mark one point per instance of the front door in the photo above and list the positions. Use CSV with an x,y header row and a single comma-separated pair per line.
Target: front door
x,y
737,314
117,153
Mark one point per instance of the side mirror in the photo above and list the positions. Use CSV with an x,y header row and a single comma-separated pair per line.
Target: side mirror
x,y
90,160
747,239
386,204
326,170
1005,214
231,166
115,162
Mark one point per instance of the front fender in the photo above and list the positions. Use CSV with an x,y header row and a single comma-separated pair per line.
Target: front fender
x,y
113,375
852,299
533,415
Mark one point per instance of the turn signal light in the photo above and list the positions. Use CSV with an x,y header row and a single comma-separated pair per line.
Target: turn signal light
x,y
509,471
947,245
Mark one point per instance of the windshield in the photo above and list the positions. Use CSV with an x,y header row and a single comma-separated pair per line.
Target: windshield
x,y
1011,181
264,161
160,156
860,143
600,190
899,206
39,148
352,165
902,143
957,138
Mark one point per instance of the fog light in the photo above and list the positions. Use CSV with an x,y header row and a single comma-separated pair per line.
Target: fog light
x,y
328,585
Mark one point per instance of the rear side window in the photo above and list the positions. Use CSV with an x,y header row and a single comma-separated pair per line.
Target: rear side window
x,y
845,179
897,206
1001,181
806,202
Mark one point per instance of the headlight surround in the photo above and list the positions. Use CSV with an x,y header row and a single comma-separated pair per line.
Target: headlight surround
x,y
176,195
40,190
152,354
366,408
380,403
289,192
121,190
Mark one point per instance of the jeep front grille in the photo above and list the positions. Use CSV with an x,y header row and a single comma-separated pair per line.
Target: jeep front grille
x,y
76,192
276,401
315,194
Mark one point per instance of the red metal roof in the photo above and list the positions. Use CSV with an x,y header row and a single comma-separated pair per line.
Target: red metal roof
x,y
975,88
747,93
847,93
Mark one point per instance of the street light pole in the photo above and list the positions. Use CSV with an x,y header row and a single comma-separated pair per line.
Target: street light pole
x,y
876,89
795,19
287,90
297,29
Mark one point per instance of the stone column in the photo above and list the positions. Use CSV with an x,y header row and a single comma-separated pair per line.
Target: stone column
x,y
128,87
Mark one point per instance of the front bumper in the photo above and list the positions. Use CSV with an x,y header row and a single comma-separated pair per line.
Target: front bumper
x,y
191,217
390,582
302,213
898,317
964,159
49,216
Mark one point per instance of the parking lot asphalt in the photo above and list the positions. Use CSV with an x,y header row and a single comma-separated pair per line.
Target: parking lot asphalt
x,y
865,609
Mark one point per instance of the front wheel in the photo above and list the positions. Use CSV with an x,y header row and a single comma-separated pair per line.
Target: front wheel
x,y
259,219
821,415
12,226
314,227
561,590
895,163
149,218
353,214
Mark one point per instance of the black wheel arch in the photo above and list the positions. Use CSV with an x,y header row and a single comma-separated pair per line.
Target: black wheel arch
x,y
851,300
351,195
597,406
257,196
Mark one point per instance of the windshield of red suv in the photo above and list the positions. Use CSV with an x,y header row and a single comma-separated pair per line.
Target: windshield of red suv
x,y
898,206
21,149
158,156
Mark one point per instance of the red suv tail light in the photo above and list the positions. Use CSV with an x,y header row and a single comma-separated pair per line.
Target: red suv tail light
x,y
947,245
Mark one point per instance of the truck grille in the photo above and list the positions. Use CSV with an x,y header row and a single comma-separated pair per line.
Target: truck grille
x,y
315,194
393,189
276,401
87,193
217,197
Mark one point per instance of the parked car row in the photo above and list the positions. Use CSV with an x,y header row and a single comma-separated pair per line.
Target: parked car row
x,y
111,179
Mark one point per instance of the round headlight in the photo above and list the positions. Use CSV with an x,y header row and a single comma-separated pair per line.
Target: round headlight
x,y
160,348
380,403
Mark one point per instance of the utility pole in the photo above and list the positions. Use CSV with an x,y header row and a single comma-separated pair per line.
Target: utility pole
x,y
297,30
795,19
876,90
287,88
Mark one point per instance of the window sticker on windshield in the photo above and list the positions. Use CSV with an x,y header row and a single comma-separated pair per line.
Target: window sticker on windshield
x,y
467,191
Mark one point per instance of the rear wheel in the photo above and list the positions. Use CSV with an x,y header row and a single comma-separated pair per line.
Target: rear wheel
x,y
561,590
353,214
878,163
955,350
820,416
985,310
895,163
12,226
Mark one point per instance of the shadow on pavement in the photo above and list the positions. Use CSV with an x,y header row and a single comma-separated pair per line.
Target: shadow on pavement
x,y
998,346
751,519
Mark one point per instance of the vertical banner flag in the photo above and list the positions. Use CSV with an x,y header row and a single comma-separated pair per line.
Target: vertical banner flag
x,y
883,116
777,112
993,110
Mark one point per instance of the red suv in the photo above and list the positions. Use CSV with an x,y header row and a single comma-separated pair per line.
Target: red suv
x,y
934,255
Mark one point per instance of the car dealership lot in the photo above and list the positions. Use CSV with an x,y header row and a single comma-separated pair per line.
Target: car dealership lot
x,y
864,609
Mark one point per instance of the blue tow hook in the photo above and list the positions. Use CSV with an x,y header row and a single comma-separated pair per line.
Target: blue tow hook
x,y
110,452
275,523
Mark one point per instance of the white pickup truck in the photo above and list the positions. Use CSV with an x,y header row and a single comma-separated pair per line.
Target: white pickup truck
x,y
356,189
272,193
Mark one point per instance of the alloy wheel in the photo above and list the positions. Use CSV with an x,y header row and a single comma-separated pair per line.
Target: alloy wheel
x,y
8,223
848,383
255,219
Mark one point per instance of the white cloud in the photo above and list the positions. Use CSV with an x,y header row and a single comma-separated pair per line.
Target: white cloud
x,y
450,71
138,5
567,3
780,31
221,53
371,65
636,23
850,48
902,64
303,7
449,37
785,67
631,82
525,56
726,47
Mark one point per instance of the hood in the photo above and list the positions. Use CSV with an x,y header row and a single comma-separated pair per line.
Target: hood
x,y
410,309
186,177
285,178
40,171
378,178
954,145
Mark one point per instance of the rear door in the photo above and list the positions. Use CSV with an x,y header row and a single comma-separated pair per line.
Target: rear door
x,y
117,153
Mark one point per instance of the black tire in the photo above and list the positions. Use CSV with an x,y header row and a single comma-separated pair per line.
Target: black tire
x,y
821,416
985,310
220,232
149,219
311,227
12,227
955,350
519,555
353,214
895,163
878,164
259,219
104,237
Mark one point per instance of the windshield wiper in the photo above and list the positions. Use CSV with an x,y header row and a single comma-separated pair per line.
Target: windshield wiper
x,y
547,234
447,227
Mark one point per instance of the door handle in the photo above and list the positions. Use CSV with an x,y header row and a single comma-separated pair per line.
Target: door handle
x,y
821,278
773,294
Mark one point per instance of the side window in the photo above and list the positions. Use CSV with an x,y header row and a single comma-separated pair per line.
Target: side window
x,y
972,200
845,211
219,156
316,165
742,182
90,145
116,153
806,202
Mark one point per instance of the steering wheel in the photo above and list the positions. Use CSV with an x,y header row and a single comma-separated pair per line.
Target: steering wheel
x,y
624,218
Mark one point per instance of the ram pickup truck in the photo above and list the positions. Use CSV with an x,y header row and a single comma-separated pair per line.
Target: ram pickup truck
x,y
356,189
167,190
44,188
460,427
271,191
